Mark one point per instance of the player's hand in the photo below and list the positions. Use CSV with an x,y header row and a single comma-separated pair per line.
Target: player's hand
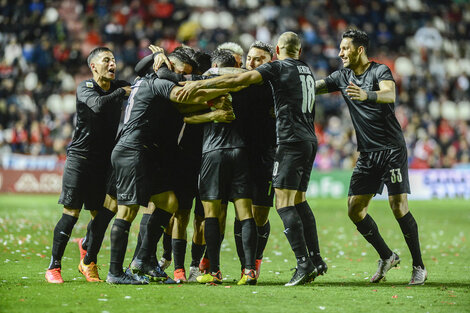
x,y
158,61
356,93
127,89
154,49
188,90
223,116
223,102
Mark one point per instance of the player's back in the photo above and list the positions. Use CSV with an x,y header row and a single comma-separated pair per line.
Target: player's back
x,y
140,122
293,87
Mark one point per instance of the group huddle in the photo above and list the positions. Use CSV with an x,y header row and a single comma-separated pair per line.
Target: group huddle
x,y
201,129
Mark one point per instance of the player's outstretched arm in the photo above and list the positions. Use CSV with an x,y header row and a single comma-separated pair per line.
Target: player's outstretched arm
x,y
200,100
320,87
385,94
221,116
233,82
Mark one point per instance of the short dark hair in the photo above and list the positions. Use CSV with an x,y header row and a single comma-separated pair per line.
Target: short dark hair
x,y
95,52
203,61
185,49
359,38
263,46
223,58
183,57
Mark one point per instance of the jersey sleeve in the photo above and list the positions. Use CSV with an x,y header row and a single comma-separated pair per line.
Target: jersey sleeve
x,y
332,81
384,73
269,71
88,95
162,88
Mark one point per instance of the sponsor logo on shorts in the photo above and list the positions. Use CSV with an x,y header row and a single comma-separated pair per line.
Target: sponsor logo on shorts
x,y
124,196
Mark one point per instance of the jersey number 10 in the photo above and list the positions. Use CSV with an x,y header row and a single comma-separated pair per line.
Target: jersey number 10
x,y
308,93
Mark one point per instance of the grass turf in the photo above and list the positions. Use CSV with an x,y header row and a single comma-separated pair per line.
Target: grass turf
x,y
27,223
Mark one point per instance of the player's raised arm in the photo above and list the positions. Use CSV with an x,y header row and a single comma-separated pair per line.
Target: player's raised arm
x,y
385,94
202,99
233,82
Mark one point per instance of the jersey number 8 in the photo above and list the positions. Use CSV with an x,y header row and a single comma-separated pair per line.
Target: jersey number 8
x,y
308,93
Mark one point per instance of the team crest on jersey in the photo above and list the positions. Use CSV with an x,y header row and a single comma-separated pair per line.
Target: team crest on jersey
x,y
89,84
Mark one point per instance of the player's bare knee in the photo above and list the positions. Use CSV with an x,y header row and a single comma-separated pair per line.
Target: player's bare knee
x,y
110,203
72,212
127,213
399,205
357,208
260,214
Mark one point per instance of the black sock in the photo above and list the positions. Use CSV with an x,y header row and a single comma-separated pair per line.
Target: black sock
x,y
179,252
310,230
62,232
409,228
263,235
167,246
86,239
370,231
119,238
212,235
249,237
155,227
142,230
237,232
97,230
294,232
197,251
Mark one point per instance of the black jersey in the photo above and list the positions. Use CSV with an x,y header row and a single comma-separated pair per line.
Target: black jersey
x,y
190,141
140,120
230,135
262,122
168,123
293,87
98,114
376,126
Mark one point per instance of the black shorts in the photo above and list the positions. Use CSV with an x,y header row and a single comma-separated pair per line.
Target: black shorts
x,y
133,177
83,183
262,170
293,164
225,174
162,169
374,169
111,183
186,186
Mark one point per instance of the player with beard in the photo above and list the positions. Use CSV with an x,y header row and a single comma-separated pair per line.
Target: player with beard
x,y
99,102
369,91
293,87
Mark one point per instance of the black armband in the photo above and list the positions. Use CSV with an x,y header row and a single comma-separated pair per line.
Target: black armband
x,y
371,96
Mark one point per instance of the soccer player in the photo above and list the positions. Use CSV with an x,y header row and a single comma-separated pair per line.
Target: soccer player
x,y
132,160
369,91
293,87
224,176
236,50
168,122
262,146
99,103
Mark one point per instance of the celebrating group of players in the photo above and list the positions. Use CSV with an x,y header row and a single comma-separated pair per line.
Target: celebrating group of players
x,y
244,136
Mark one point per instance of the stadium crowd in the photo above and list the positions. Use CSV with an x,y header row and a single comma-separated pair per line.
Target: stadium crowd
x,y
44,45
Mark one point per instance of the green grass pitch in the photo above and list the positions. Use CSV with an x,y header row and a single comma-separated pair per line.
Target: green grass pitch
x,y
27,222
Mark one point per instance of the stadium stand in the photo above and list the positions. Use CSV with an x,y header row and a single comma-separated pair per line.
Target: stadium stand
x,y
425,43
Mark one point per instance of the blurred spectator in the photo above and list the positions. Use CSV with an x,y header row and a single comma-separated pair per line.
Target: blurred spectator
x,y
44,45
